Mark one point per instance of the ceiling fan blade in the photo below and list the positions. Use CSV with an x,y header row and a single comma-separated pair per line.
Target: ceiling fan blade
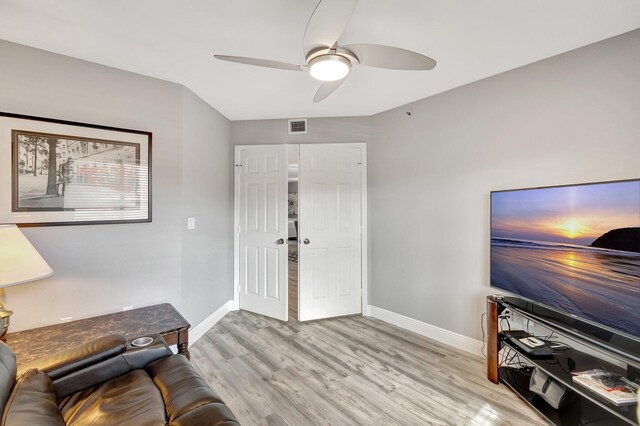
x,y
393,58
261,62
326,89
327,23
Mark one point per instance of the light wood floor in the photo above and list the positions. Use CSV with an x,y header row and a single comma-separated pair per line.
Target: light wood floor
x,y
344,371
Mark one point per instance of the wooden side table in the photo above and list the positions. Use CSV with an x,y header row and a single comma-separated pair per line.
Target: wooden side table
x,y
163,319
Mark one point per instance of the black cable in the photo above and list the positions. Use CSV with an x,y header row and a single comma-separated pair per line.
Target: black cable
x,y
509,361
557,362
548,336
514,370
508,323
519,361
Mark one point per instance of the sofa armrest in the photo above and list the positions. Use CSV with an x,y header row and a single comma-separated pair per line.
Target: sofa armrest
x,y
79,357
140,357
132,358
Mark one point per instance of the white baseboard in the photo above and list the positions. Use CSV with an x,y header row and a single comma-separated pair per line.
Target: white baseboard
x,y
199,330
367,311
442,335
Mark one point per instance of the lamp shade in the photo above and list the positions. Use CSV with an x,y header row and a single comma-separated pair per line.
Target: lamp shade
x,y
20,262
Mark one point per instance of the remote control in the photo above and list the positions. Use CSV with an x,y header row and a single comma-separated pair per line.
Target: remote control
x,y
532,342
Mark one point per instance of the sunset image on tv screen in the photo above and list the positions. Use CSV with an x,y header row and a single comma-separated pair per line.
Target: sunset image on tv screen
x,y
574,248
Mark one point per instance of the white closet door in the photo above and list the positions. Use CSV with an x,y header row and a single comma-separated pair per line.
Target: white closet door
x,y
262,238
330,249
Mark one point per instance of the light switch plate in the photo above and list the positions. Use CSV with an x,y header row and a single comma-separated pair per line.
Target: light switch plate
x,y
191,223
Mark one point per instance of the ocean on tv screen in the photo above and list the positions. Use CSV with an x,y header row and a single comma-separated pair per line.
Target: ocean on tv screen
x,y
573,248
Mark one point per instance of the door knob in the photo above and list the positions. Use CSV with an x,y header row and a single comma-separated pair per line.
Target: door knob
x,y
280,241
306,241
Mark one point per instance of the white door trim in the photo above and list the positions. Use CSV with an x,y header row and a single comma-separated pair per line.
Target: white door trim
x,y
236,227
364,223
236,224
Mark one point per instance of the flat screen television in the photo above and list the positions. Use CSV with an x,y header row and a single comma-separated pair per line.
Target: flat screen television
x,y
573,248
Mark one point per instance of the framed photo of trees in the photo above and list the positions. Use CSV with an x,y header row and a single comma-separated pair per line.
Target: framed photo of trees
x,y
55,172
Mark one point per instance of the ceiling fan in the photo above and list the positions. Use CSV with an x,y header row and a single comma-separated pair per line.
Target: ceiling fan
x,y
330,63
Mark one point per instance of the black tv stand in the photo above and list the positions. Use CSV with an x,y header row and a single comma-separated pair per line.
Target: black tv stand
x,y
594,348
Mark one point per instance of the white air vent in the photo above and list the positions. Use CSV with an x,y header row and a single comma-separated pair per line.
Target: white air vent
x,y
298,126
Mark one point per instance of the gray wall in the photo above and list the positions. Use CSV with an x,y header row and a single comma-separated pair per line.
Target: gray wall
x,y
568,119
102,268
319,130
207,195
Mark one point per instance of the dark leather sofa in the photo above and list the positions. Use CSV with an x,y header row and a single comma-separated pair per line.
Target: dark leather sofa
x,y
108,382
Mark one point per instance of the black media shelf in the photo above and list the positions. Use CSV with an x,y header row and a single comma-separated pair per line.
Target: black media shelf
x,y
618,345
592,348
587,402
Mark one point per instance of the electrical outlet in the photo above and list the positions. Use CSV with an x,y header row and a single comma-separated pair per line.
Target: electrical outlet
x,y
127,308
66,319
506,313
191,223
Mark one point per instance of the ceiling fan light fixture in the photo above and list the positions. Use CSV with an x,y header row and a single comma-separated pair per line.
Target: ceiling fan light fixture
x,y
329,67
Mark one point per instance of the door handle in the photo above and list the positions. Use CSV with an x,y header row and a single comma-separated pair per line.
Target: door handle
x,y
306,241
280,241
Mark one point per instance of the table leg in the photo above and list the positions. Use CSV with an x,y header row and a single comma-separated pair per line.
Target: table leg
x,y
183,343
492,339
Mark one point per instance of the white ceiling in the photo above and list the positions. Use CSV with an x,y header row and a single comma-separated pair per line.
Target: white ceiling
x,y
175,41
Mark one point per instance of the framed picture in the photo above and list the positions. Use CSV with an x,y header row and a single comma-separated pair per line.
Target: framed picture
x,y
55,172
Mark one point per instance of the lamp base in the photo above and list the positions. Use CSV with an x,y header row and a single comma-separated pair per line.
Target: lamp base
x,y
5,315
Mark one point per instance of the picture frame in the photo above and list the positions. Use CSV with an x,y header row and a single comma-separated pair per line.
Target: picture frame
x,y
57,172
